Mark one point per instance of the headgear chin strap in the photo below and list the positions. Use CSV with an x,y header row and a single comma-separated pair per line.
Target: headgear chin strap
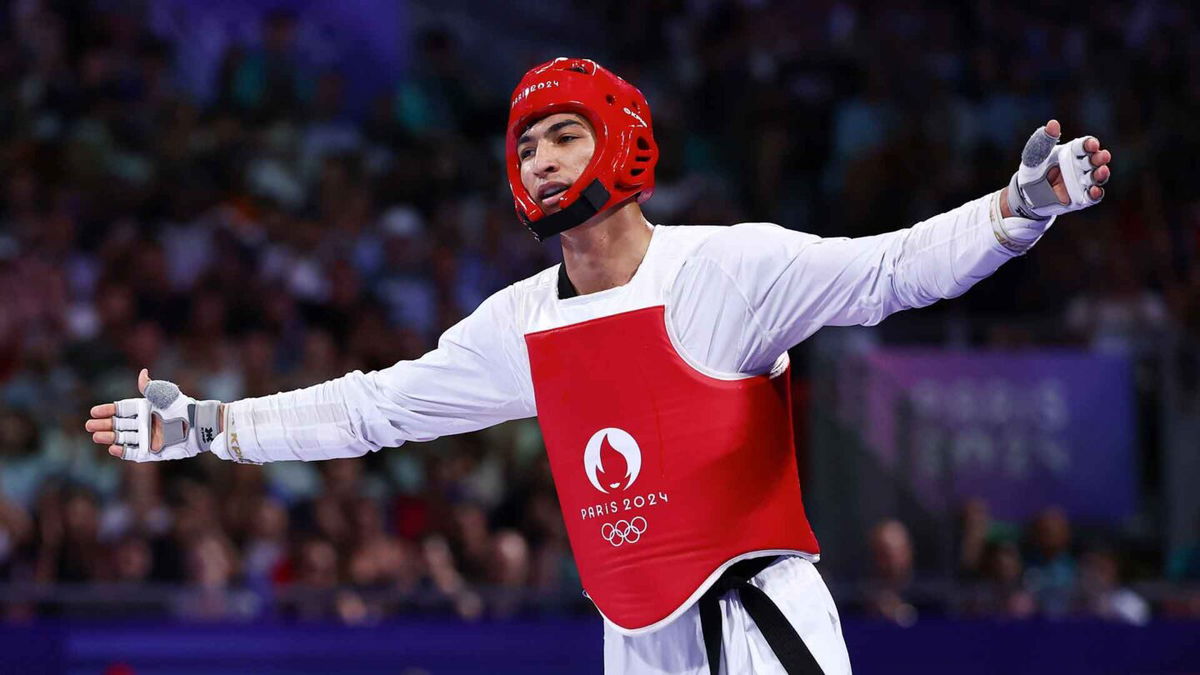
x,y
622,165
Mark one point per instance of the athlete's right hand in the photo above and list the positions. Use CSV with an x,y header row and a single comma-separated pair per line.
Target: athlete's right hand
x,y
165,424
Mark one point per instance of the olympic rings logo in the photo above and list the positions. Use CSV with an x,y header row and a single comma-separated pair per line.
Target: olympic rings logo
x,y
623,531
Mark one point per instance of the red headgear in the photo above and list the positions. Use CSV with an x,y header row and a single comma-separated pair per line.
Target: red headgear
x,y
623,163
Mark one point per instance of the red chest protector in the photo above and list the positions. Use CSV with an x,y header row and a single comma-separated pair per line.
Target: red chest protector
x,y
664,474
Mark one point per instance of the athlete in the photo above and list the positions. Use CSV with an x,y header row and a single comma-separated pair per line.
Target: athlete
x,y
655,358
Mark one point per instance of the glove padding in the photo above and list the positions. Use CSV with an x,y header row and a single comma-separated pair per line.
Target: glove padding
x,y
189,426
1029,193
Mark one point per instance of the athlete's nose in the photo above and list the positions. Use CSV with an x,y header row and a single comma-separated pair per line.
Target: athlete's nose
x,y
545,162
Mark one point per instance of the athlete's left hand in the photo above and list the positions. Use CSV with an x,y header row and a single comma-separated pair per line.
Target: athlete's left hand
x,y
1055,179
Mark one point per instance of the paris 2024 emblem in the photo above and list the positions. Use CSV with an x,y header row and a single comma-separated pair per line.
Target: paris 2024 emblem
x,y
612,461
626,447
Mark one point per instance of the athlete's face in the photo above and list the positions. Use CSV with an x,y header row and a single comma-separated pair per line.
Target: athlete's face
x,y
553,153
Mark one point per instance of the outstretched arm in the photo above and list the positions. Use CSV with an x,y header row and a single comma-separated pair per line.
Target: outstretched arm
x,y
782,286
473,379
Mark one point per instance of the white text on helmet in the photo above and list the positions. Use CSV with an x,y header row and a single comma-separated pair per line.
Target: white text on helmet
x,y
635,116
532,88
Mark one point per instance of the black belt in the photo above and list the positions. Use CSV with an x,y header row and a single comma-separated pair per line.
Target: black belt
x,y
782,638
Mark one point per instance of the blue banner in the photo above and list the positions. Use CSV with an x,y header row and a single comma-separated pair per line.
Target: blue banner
x,y
1022,430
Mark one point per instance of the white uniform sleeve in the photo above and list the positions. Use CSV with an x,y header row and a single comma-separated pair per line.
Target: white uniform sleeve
x,y
753,290
477,377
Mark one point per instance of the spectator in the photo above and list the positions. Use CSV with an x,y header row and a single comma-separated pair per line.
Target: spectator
x,y
891,573
1101,594
212,569
70,550
975,522
266,547
141,508
133,560
1051,574
1000,591
16,528
1120,316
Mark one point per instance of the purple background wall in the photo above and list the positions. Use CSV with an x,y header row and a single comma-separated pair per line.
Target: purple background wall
x,y
574,646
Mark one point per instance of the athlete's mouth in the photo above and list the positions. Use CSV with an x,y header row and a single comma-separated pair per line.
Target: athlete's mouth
x,y
550,193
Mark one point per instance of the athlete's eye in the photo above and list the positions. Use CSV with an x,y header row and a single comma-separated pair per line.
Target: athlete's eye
x,y
566,138
524,153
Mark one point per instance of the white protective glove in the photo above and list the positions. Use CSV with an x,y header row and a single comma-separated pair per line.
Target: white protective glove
x,y
189,426
1031,199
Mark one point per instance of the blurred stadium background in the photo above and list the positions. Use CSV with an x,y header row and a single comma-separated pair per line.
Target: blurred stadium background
x,y
250,196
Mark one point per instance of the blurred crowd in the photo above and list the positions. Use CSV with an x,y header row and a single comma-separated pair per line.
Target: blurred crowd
x,y
1038,569
262,235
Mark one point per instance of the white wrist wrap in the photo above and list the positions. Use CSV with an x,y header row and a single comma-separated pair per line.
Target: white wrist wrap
x,y
1015,234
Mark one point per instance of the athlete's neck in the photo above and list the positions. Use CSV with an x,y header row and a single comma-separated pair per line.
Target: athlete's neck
x,y
605,251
